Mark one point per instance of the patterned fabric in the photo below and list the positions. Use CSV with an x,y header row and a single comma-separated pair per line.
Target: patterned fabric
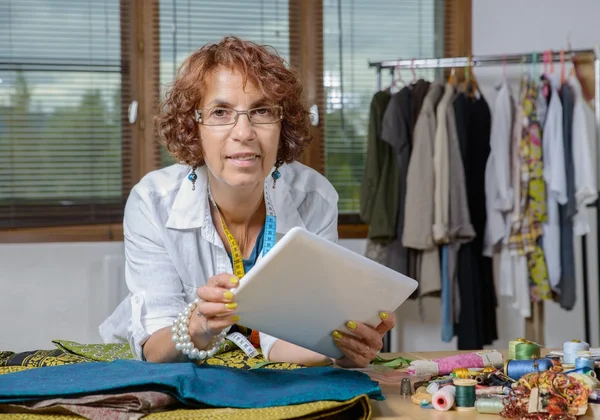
x,y
526,234
358,408
96,352
39,358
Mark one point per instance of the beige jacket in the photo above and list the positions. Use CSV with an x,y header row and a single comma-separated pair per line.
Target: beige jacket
x,y
441,170
419,211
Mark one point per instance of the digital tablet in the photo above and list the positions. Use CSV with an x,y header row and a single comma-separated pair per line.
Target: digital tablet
x,y
306,287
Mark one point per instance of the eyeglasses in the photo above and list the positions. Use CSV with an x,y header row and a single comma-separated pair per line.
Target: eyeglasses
x,y
227,116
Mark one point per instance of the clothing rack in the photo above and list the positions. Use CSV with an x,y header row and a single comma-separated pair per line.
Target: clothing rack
x,y
525,58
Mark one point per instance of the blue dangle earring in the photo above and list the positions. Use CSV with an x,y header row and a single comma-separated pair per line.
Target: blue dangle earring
x,y
276,174
193,177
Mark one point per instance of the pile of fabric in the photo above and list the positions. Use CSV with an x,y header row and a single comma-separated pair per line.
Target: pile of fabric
x,y
105,382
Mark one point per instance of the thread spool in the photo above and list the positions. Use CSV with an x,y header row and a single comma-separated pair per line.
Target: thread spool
x,y
515,369
489,405
443,400
526,351
465,394
585,362
512,346
432,388
571,350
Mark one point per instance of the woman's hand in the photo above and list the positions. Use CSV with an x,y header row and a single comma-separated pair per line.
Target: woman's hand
x,y
216,309
362,345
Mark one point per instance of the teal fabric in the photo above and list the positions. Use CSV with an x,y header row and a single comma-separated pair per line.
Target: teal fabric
x,y
193,385
258,246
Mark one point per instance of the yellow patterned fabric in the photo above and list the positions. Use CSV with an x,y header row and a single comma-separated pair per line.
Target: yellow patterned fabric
x,y
97,352
39,358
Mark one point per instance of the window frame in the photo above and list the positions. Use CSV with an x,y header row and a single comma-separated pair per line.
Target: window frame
x,y
140,61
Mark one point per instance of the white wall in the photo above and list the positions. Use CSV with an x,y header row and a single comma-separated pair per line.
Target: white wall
x,y
505,27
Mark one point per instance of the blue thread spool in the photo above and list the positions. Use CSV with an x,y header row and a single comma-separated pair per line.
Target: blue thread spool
x,y
584,362
515,369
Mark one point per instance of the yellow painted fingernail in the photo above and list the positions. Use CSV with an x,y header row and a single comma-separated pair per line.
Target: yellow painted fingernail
x,y
351,325
233,280
232,305
228,295
235,318
384,315
336,334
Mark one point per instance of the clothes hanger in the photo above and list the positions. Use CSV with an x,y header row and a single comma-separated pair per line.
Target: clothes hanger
x,y
451,77
412,69
394,85
472,87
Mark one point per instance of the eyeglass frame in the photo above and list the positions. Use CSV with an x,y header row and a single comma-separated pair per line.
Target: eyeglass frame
x,y
198,116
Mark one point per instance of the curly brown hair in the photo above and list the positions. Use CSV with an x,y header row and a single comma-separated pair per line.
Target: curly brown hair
x,y
176,124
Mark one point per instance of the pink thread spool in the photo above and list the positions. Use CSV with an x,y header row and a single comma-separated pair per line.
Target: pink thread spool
x,y
443,400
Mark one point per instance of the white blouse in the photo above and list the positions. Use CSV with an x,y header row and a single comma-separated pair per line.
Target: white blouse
x,y
172,246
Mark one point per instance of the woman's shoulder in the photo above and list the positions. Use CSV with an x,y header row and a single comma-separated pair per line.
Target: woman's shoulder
x,y
162,181
304,180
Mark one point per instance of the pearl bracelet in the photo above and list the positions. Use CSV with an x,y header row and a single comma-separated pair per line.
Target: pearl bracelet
x,y
183,341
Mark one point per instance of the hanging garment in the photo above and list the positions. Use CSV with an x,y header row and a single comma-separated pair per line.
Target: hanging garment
x,y
396,132
525,239
586,191
378,207
419,212
476,325
460,229
566,286
556,181
498,189
441,169
513,265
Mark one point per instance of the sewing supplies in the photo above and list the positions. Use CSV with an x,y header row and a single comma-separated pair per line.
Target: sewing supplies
x,y
405,387
512,347
584,362
465,394
443,400
432,388
515,369
571,350
492,390
527,350
489,405
446,365
421,398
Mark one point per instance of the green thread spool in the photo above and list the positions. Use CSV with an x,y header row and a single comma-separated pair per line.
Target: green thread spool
x,y
512,345
465,394
489,405
527,351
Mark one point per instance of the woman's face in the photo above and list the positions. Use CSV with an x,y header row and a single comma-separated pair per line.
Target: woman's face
x,y
239,155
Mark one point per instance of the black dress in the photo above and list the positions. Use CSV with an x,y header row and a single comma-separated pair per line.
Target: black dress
x,y
476,326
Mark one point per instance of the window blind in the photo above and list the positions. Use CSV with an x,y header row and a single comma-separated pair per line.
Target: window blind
x,y
61,131
356,32
186,25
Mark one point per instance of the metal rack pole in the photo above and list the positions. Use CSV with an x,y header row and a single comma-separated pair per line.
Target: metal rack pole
x,y
526,58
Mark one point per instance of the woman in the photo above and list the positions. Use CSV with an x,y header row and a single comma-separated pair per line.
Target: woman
x,y
235,120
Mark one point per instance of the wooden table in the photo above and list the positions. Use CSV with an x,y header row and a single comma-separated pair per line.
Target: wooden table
x,y
397,407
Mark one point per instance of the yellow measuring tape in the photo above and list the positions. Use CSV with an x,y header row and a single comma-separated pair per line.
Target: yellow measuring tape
x,y
236,254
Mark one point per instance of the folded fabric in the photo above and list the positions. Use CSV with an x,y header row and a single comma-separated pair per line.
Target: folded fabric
x,y
445,365
128,406
193,385
358,408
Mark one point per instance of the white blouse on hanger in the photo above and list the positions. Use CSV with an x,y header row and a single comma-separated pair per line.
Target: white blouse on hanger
x,y
556,181
584,130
